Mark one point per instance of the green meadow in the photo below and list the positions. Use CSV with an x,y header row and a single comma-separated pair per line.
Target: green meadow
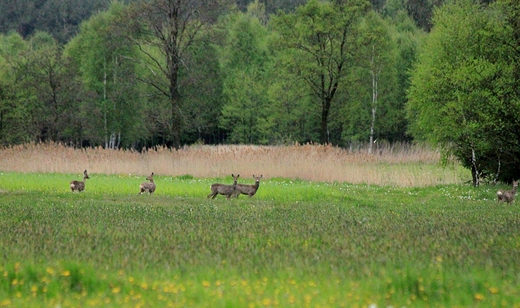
x,y
294,244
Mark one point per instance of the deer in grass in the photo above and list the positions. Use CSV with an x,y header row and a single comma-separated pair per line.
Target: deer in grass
x,y
147,186
507,195
249,190
226,190
79,185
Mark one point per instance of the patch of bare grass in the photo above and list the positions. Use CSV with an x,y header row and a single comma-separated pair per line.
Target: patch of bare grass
x,y
402,165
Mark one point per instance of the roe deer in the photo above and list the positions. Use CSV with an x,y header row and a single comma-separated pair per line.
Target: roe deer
x,y
227,190
147,186
249,190
79,185
507,195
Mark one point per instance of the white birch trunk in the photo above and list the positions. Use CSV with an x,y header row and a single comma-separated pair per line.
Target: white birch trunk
x,y
374,71
105,102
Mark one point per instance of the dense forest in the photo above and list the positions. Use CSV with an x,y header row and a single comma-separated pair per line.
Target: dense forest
x,y
144,73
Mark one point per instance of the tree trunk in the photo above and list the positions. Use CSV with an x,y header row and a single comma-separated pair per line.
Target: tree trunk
x,y
474,171
375,79
325,108
105,121
172,54
175,109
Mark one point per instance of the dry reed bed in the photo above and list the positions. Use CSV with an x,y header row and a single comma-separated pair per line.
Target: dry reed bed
x,y
396,166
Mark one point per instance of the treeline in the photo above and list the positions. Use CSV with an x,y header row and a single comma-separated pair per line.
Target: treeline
x,y
171,73
62,18
148,73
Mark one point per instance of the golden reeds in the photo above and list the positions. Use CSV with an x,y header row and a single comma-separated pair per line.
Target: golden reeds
x,y
402,165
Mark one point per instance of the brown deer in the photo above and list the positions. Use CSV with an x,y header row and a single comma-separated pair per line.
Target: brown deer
x,y
147,186
226,190
249,190
507,195
79,185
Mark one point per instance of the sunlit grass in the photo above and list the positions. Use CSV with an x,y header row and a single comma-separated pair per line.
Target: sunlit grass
x,y
296,243
73,285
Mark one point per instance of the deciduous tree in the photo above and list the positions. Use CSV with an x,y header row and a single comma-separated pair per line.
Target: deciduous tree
x,y
321,40
164,30
463,94
105,59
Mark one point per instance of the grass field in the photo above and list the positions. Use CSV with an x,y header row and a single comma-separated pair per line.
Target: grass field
x,y
296,243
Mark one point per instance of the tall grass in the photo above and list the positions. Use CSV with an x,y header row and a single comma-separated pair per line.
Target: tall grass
x,y
401,165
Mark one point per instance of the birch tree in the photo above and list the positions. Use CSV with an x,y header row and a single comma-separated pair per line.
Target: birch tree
x,y
102,54
379,51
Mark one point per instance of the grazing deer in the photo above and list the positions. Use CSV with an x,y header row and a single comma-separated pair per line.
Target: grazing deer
x,y
79,185
507,195
249,190
227,190
147,186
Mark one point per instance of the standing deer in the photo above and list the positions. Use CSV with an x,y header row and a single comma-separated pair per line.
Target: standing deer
x,y
507,195
226,190
147,186
249,190
79,185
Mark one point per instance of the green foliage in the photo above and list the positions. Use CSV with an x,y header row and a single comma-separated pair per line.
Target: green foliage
x,y
61,19
320,43
14,116
243,79
245,62
372,85
291,111
106,62
408,40
40,92
460,94
324,243
52,90
202,96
